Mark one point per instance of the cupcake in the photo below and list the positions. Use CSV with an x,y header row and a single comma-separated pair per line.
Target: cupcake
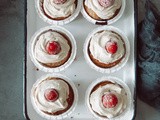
x,y
106,49
58,12
52,49
54,96
108,98
103,11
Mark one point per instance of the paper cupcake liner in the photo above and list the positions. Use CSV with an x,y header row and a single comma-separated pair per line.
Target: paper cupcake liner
x,y
113,80
67,63
63,115
38,6
107,22
114,68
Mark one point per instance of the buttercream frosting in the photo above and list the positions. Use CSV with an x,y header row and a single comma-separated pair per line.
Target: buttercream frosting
x,y
96,100
41,53
60,104
98,43
103,12
59,10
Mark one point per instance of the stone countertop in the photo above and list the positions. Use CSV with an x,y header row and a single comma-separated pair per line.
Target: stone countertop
x,y
11,62
11,59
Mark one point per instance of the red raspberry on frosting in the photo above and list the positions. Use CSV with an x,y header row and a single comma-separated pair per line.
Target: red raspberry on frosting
x,y
51,95
106,3
109,100
59,1
111,47
53,47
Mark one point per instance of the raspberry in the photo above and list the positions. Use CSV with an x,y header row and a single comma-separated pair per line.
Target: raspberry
x,y
59,1
51,95
109,100
111,47
106,3
53,47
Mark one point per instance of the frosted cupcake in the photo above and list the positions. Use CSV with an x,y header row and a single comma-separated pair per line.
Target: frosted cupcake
x,y
103,11
54,96
52,49
108,97
58,12
106,49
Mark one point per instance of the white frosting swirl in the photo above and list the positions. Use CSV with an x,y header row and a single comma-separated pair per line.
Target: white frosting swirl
x,y
51,107
97,105
59,10
98,43
41,53
102,12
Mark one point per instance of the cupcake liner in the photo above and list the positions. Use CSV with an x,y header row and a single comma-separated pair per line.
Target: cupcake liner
x,y
63,115
113,80
107,22
67,63
114,68
38,6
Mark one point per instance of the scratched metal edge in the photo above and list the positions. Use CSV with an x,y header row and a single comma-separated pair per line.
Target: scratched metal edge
x,y
25,113
135,54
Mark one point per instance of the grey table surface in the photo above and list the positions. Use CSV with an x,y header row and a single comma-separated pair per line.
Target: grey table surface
x,y
11,62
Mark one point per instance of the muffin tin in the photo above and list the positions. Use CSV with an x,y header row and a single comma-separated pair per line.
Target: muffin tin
x,y
79,71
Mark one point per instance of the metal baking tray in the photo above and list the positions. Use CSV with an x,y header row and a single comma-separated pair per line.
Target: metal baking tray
x,y
80,28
